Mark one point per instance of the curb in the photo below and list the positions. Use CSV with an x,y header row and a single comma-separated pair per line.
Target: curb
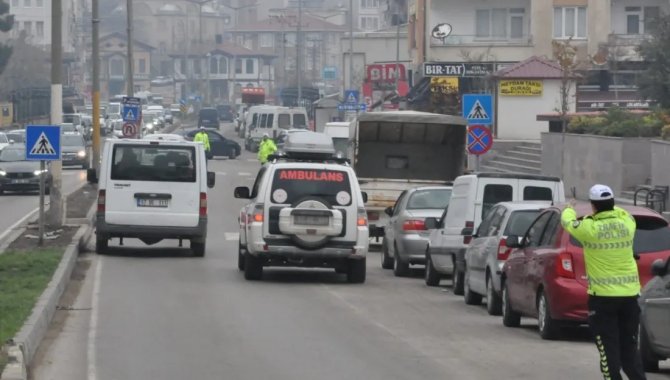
x,y
26,342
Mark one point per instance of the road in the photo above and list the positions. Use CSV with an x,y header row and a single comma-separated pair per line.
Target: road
x,y
161,314
16,206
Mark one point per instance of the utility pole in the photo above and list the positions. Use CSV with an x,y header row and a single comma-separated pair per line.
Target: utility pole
x,y
351,44
130,73
298,49
95,42
397,48
55,215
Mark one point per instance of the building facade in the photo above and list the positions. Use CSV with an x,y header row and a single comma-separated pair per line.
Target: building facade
x,y
34,18
114,66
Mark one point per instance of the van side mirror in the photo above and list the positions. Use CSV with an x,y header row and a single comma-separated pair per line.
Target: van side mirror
x,y
467,231
431,223
211,179
513,241
91,176
389,211
365,197
242,192
659,268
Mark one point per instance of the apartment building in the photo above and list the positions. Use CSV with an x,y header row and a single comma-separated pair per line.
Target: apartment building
x,y
489,35
33,17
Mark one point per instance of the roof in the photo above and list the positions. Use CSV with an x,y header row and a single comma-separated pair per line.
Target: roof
x,y
517,176
532,68
526,205
289,22
123,37
411,117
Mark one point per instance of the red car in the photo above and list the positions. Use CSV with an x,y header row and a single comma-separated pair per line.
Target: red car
x,y
545,277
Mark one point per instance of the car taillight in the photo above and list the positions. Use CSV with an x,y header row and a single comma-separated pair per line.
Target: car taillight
x,y
258,214
373,215
203,204
362,219
565,266
414,225
102,198
503,250
468,238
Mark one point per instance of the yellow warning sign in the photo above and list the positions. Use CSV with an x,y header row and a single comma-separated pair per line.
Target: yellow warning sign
x,y
520,87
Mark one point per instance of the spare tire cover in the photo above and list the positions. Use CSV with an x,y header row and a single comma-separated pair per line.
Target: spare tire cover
x,y
311,241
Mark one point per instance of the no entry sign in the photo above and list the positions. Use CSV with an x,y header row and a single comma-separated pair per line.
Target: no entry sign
x,y
480,139
129,130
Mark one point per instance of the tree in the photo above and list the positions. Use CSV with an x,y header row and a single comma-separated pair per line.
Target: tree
x,y
27,67
6,24
566,55
654,83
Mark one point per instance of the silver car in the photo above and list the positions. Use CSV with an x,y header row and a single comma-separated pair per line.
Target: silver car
x,y
654,327
406,236
487,252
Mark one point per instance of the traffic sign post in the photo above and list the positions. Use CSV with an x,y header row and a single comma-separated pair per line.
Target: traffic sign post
x,y
131,113
42,144
480,141
129,130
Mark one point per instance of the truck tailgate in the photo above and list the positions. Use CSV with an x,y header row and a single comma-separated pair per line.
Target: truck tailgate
x,y
384,192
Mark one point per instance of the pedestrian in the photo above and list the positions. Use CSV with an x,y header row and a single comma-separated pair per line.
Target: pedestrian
x,y
613,282
266,148
203,137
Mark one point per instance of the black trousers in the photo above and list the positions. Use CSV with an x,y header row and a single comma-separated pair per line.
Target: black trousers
x,y
614,322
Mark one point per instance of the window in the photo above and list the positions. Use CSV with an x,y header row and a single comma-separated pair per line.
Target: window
x,y
116,67
534,236
142,65
289,39
369,4
633,20
223,65
491,224
369,23
570,22
534,193
264,118
641,20
153,163
39,29
519,222
213,65
551,232
436,199
249,66
499,23
271,119
516,23
495,194
267,40
299,183
257,183
238,66
196,66
398,202
284,121
299,120
28,27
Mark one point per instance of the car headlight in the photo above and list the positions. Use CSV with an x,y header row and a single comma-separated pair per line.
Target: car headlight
x,y
38,172
81,153
3,173
150,125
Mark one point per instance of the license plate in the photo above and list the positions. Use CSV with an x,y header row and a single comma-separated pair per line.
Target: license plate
x,y
19,181
305,220
142,202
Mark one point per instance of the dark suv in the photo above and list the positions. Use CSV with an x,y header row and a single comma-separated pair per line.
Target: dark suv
x,y
225,112
208,118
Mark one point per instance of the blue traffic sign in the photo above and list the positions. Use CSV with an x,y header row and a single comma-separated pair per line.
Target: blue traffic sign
x,y
43,143
132,109
480,139
352,107
478,108
351,96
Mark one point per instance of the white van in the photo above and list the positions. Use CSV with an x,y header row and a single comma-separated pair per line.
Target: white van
x,y
272,120
152,190
473,195
342,134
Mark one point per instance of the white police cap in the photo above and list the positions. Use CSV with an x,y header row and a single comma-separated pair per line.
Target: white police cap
x,y
600,193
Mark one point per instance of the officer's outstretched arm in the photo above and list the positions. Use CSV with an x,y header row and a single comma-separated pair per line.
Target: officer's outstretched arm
x,y
582,230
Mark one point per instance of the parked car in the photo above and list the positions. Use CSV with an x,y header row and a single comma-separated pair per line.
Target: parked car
x,y
16,135
472,197
488,251
406,236
655,317
220,146
545,276
17,174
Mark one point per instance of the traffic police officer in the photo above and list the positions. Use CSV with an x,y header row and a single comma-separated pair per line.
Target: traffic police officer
x,y
266,148
203,138
613,281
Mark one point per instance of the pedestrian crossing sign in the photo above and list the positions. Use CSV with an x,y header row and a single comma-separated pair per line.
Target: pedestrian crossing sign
x,y
43,143
478,108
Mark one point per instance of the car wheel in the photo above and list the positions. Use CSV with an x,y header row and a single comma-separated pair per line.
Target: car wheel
x,y
198,249
400,269
470,297
493,300
510,317
2,192
547,326
253,267
356,271
649,359
387,261
101,244
231,155
240,256
431,276
457,279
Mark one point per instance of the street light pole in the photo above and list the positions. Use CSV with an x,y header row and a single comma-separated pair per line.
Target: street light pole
x,y
95,10
298,62
397,51
351,44
130,73
55,214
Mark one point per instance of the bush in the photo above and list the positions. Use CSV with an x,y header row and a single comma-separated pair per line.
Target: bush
x,y
621,123
665,133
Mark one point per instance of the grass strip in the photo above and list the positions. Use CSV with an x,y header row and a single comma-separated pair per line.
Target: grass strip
x,y
23,277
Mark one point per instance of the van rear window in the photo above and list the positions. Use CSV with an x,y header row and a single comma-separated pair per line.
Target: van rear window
x,y
536,193
299,120
153,163
284,121
494,194
292,185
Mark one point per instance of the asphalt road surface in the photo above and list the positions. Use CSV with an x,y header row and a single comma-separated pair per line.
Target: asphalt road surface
x,y
15,206
161,314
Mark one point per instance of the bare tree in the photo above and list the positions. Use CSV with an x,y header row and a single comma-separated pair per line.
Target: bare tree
x,y
27,67
566,55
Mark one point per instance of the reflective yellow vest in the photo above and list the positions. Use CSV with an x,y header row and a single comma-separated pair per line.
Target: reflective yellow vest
x,y
203,138
607,239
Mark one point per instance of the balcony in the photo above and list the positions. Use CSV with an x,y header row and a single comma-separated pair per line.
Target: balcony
x,y
472,40
623,47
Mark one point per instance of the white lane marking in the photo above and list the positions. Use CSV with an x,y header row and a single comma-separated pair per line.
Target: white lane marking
x,y
18,223
244,174
232,235
93,323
